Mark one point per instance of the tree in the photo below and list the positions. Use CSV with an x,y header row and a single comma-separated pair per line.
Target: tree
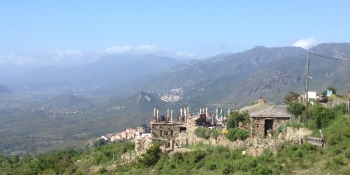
x,y
320,117
296,109
291,97
100,142
151,156
334,91
235,118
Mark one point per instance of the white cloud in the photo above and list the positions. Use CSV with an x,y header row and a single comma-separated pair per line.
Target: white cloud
x,y
50,58
305,43
113,50
13,59
66,56
148,49
70,57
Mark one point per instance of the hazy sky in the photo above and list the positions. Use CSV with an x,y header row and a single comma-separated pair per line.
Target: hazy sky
x,y
49,30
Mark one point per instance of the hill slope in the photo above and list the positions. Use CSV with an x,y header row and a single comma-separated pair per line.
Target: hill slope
x,y
270,72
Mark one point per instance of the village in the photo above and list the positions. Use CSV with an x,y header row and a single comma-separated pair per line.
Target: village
x,y
178,133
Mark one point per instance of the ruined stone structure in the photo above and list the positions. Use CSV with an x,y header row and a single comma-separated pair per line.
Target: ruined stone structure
x,y
142,144
167,131
267,120
264,118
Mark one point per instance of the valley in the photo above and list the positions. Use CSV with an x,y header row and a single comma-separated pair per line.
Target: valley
x,y
57,107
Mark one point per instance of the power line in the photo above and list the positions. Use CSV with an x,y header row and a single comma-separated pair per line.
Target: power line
x,y
329,57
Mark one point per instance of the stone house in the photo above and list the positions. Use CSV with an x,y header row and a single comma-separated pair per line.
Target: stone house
x,y
166,131
267,119
141,129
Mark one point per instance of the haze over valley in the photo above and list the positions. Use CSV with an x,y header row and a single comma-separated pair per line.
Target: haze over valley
x,y
73,71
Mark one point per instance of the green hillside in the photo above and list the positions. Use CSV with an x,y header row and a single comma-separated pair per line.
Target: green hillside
x,y
202,159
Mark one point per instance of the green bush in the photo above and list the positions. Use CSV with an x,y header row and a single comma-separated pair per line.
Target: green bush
x,y
319,117
261,170
151,156
206,133
228,169
296,109
338,132
212,166
340,108
235,118
235,133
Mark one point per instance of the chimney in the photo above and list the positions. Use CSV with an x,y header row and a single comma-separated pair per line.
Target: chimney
x,y
171,115
261,100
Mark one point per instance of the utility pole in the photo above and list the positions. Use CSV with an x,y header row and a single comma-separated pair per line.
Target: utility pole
x,y
307,80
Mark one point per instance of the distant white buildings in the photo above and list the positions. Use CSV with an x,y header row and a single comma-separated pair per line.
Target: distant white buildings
x,y
173,96
130,133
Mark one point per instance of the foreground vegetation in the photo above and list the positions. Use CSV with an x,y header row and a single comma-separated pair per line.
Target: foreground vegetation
x,y
296,159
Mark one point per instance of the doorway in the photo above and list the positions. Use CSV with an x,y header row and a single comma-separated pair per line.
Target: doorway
x,y
268,126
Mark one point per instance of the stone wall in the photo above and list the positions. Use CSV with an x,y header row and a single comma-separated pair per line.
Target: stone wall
x,y
253,145
189,138
258,125
142,144
165,131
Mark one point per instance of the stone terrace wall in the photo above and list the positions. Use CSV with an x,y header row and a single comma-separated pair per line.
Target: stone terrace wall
x,y
253,146
142,144
189,138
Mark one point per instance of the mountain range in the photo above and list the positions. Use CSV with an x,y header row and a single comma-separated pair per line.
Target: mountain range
x,y
230,80
234,80
118,92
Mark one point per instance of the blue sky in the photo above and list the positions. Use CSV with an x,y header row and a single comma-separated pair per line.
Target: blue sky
x,y
71,31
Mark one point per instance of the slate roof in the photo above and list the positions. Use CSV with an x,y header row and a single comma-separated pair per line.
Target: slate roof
x,y
255,107
272,111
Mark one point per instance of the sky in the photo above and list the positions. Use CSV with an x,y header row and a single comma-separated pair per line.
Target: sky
x,y
54,32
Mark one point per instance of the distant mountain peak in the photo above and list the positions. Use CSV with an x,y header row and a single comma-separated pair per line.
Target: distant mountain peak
x,y
143,96
4,89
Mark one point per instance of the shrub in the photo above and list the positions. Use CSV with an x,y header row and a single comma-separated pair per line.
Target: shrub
x,y
102,170
338,132
151,156
212,166
340,108
177,158
320,117
291,97
235,133
228,169
235,118
215,134
261,170
296,109
206,133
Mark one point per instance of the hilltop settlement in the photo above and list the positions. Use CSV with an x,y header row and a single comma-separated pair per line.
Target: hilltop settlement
x,y
268,129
